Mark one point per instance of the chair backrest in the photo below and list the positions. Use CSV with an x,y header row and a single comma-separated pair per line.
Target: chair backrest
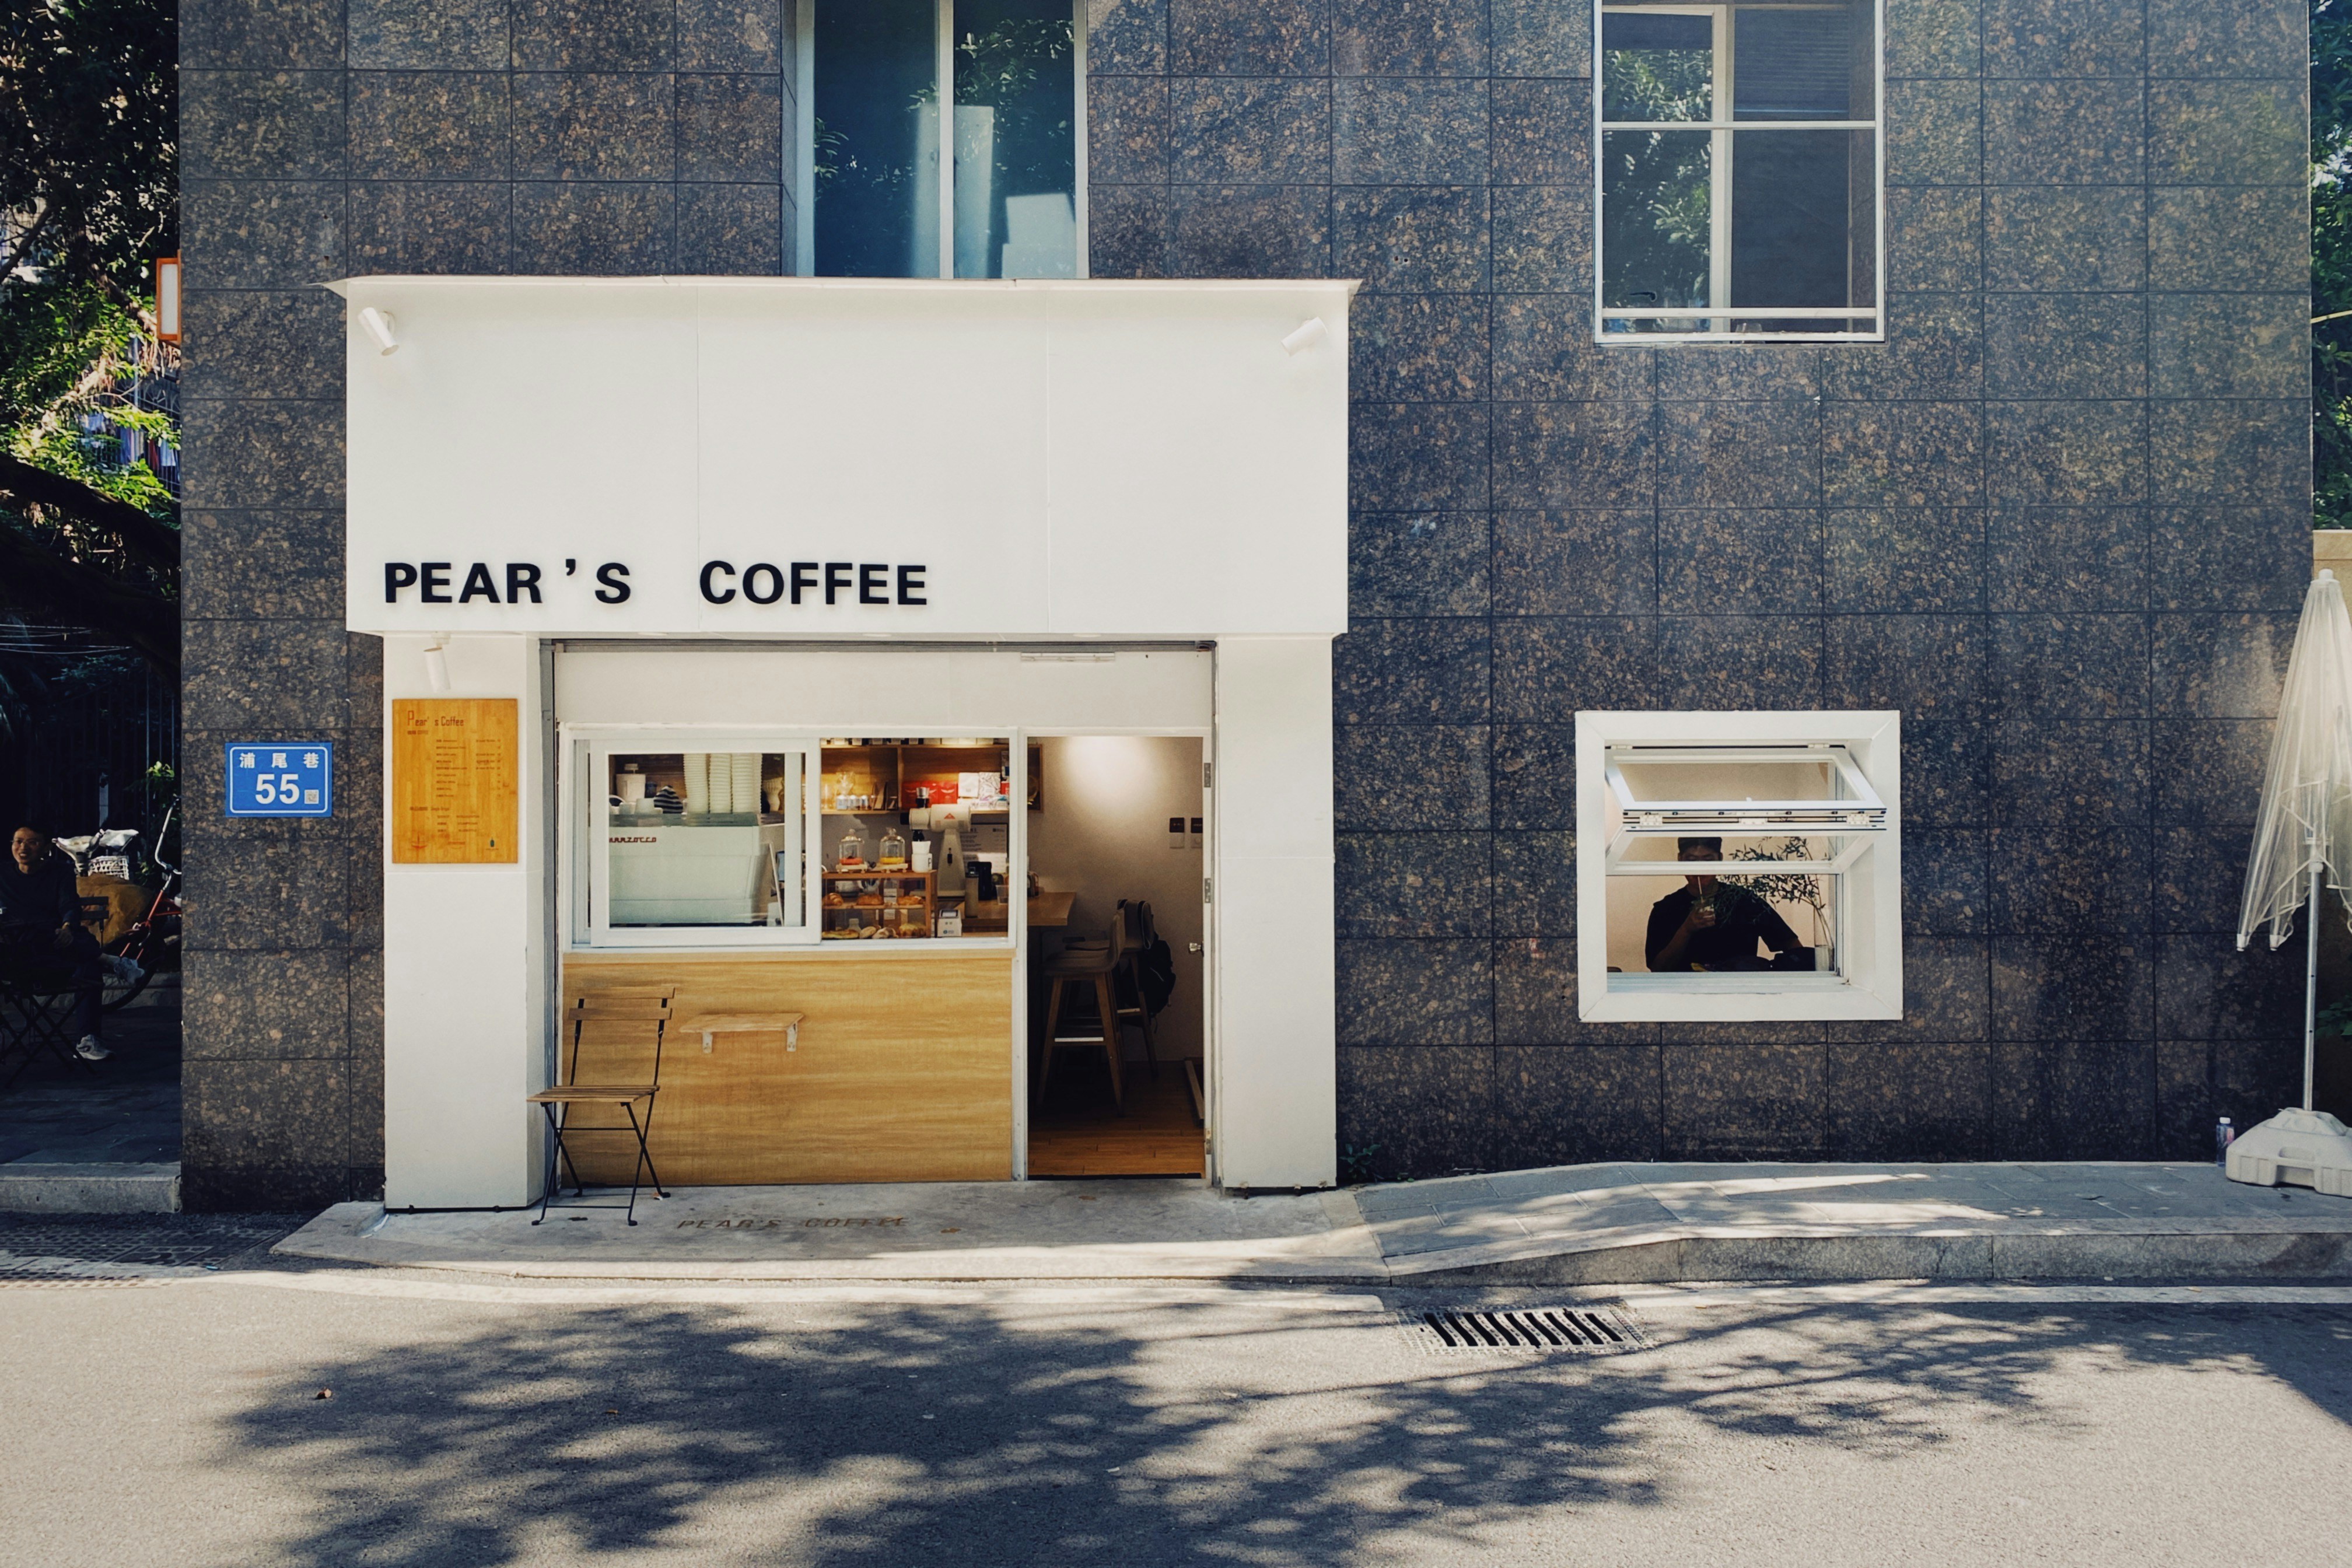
x,y
617,1034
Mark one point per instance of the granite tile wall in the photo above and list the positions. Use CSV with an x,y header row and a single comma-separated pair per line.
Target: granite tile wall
x,y
323,138
2059,519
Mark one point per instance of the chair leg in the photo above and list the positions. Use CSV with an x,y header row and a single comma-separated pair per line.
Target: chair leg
x,y
554,1151
637,1172
1143,1011
660,1191
1052,1020
1107,1002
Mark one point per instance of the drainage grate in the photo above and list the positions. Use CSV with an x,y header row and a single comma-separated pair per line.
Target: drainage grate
x,y
1523,1331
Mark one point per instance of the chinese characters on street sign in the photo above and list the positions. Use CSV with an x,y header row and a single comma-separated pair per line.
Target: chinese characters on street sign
x,y
281,778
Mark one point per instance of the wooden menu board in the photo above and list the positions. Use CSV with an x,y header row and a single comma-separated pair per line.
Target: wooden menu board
x,y
453,781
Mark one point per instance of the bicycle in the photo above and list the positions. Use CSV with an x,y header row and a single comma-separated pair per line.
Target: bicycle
x,y
134,957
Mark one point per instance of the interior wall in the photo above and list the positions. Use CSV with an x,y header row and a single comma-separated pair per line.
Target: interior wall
x,y
1103,835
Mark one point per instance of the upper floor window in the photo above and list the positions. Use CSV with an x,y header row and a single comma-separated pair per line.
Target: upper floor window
x,y
1738,176
1009,201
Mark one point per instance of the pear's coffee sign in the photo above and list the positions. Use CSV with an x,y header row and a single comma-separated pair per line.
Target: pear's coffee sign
x,y
796,585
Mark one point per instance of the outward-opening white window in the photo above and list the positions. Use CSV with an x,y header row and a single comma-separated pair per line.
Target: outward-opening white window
x,y
692,839
1737,188
876,198
1738,866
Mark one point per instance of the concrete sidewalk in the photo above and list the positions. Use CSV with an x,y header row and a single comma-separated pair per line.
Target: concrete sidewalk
x,y
1564,1226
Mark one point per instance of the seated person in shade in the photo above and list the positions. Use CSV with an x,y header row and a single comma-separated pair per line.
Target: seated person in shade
x,y
41,922
1710,924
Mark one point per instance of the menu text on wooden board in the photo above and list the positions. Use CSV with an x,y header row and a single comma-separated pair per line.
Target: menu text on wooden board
x,y
454,780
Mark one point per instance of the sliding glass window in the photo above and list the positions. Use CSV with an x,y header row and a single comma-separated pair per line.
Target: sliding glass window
x,y
1737,186
1012,201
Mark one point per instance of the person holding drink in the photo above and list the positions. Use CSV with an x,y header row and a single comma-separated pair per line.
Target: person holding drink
x,y
1709,925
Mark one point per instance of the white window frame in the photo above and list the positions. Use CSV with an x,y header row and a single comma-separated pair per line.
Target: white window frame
x,y
803,132
1868,919
582,749
1722,312
585,752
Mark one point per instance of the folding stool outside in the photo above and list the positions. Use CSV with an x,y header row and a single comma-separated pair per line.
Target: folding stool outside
x,y
36,1009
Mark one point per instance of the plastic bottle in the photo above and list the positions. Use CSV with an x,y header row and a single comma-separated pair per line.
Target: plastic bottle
x,y
2223,1136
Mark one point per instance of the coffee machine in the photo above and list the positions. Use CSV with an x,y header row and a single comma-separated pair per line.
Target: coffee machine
x,y
947,825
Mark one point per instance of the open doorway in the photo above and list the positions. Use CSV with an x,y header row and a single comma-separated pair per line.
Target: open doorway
x,y
1116,847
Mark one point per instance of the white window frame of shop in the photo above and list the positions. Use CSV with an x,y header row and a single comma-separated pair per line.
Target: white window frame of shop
x,y
803,132
1864,749
585,753
1721,311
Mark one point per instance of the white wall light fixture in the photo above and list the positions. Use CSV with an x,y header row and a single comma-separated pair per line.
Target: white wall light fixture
x,y
1308,332
380,326
437,665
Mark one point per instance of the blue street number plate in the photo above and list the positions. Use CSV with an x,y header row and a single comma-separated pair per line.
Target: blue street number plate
x,y
281,778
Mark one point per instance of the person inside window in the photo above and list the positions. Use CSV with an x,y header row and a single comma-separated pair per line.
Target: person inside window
x,y
41,929
1710,925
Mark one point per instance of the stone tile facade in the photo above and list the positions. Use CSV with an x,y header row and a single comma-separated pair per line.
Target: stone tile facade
x,y
323,138
2059,520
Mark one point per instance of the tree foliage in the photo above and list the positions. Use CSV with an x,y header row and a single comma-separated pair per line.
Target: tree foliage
x,y
88,177
2331,263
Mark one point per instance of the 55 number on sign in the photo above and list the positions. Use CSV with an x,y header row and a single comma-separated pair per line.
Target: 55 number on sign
x,y
280,778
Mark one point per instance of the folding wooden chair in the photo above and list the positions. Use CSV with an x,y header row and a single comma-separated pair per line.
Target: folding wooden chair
x,y
618,1081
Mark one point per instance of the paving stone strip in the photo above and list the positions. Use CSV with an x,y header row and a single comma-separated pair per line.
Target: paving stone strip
x,y
54,1249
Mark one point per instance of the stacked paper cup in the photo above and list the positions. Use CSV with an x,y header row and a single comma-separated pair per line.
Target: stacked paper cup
x,y
746,772
697,782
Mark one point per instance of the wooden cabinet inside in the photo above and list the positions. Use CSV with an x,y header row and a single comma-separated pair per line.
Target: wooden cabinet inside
x,y
887,776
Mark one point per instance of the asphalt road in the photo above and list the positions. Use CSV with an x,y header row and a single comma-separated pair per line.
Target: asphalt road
x,y
182,1423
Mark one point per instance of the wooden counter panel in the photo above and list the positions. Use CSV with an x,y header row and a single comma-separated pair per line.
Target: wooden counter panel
x,y
904,1071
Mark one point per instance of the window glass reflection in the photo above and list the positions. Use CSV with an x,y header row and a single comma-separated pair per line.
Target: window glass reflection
x,y
1724,921
705,838
1657,67
1015,159
1657,204
876,145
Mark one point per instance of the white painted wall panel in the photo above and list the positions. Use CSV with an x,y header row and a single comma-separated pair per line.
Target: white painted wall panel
x,y
1274,1116
1083,458
465,1018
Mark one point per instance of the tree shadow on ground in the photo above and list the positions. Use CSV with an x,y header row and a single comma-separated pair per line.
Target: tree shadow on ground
x,y
857,1434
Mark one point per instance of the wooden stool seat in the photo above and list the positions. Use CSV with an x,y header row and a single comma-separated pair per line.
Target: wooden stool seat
x,y
592,1094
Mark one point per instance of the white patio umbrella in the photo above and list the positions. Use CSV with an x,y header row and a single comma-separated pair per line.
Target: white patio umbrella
x,y
2302,838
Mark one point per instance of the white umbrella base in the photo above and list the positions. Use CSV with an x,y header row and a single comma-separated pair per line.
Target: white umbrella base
x,y
2294,1149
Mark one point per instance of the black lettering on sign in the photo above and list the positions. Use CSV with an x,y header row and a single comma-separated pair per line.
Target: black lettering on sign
x,y
615,577
523,577
836,578
910,584
707,592
397,575
435,590
874,583
479,586
803,576
751,591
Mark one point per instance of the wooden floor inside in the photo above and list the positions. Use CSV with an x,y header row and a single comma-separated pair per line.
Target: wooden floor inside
x,y
1077,1133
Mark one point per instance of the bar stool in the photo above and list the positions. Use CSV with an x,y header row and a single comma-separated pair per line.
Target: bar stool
x,y
1140,932
1093,966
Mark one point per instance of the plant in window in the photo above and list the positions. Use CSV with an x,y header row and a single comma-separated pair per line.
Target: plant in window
x,y
1794,887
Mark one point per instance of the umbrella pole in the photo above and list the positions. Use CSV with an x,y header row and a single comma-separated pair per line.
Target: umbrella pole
x,y
2311,985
